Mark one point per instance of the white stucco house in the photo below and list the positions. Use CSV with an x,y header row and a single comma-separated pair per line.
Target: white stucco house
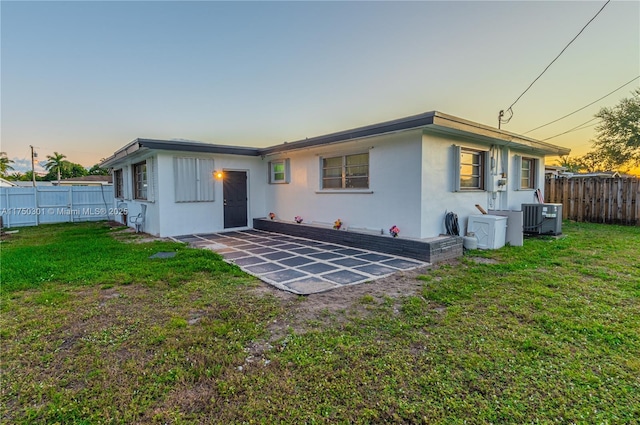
x,y
407,172
6,183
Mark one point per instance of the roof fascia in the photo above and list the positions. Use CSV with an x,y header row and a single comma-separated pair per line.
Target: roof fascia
x,y
394,126
186,146
121,154
172,145
455,125
429,121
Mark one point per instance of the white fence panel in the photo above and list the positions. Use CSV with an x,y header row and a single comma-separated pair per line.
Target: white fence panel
x,y
17,206
32,206
53,204
92,204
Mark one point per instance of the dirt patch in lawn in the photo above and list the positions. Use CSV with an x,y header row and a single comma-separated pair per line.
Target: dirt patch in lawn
x,y
481,260
341,303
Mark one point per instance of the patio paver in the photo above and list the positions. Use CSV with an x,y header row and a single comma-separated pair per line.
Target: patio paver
x,y
299,265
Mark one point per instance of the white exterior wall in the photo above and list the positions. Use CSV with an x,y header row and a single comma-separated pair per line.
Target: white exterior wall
x,y
517,196
438,196
183,218
133,206
393,197
411,185
165,217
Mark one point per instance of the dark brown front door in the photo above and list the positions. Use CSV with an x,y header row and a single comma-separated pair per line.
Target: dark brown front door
x,y
234,190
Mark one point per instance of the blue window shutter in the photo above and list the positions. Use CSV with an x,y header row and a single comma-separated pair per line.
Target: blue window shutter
x,y
488,171
287,170
456,167
517,172
151,179
126,181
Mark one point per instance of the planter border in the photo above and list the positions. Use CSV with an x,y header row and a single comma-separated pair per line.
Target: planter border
x,y
429,250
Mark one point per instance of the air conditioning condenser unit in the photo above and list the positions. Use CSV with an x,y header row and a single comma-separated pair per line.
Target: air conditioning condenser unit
x,y
542,219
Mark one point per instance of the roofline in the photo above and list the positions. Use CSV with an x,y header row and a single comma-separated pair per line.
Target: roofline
x,y
123,152
401,124
192,146
178,145
499,136
429,121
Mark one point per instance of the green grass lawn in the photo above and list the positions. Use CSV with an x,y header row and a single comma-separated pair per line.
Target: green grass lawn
x,y
93,331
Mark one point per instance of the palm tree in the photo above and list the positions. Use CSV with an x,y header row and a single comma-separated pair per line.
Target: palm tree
x,y
56,163
5,164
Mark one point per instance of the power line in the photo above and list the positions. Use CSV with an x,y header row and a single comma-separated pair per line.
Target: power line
x,y
576,128
500,120
578,110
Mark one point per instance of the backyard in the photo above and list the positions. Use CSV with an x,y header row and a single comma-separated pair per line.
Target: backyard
x,y
94,331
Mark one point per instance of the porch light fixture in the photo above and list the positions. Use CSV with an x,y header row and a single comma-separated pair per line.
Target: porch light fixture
x,y
217,174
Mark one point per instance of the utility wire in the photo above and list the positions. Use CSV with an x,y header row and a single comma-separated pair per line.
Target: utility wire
x,y
578,110
545,70
576,128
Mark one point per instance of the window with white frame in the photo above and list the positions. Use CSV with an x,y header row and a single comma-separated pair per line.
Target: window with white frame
x,y
525,173
140,183
279,171
528,173
346,172
471,169
118,184
193,179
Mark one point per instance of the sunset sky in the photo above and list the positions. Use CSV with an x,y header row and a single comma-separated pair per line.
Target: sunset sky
x,y
85,78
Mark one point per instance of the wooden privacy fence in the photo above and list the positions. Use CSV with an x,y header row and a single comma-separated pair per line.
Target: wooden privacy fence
x,y
596,199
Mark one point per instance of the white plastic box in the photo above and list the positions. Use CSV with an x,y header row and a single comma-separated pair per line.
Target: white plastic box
x,y
515,236
490,230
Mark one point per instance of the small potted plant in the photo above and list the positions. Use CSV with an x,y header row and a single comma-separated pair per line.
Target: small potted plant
x,y
337,224
272,215
394,231
298,219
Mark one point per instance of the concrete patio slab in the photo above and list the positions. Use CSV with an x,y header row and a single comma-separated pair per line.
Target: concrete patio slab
x,y
299,265
310,286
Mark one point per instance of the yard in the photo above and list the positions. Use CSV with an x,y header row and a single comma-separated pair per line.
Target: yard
x,y
94,331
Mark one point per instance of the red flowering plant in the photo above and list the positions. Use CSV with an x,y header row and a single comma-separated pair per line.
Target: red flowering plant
x,y
272,215
394,231
298,219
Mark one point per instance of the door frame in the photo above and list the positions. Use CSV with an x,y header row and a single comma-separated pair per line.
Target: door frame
x,y
248,186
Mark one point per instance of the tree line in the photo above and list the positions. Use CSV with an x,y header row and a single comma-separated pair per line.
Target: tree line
x,y
57,166
617,143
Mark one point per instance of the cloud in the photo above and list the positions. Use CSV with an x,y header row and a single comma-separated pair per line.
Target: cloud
x,y
22,165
